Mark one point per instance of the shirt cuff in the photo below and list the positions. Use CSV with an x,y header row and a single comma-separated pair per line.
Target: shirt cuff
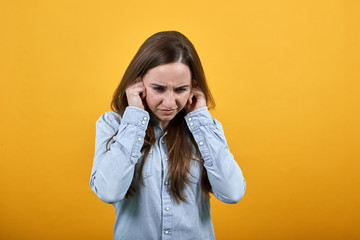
x,y
195,120
199,117
136,116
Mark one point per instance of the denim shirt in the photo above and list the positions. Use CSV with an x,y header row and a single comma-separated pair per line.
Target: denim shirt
x,y
152,213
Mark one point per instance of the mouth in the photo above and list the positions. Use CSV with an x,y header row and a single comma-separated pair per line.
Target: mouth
x,y
167,111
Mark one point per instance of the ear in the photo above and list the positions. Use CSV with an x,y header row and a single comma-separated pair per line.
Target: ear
x,y
189,101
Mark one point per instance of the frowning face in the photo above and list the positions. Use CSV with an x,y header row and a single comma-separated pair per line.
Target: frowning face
x,y
168,89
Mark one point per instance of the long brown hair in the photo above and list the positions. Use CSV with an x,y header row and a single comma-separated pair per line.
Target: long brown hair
x,y
162,48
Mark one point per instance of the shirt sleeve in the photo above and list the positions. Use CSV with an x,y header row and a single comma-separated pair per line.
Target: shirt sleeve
x,y
225,176
113,166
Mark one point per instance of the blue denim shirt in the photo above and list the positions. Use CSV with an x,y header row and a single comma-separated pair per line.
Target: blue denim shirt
x,y
152,213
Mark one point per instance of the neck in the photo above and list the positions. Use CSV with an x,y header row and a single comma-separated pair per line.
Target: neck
x,y
164,125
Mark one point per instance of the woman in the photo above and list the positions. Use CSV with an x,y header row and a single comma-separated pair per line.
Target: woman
x,y
160,153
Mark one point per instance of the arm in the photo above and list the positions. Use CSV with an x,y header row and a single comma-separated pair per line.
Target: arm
x,y
225,176
113,169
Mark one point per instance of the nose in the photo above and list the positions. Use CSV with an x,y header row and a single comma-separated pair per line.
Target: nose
x,y
169,100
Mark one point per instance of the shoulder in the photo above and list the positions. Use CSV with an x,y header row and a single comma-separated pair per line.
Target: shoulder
x,y
110,120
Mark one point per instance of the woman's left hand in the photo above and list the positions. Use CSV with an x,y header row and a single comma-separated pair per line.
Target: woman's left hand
x,y
196,100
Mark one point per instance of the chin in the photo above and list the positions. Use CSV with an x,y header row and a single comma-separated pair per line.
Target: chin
x,y
162,117
167,118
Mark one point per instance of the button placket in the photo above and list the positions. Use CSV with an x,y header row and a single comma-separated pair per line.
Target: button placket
x,y
167,213
167,203
166,199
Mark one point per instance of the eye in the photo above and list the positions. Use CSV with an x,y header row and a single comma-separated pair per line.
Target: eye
x,y
181,89
158,89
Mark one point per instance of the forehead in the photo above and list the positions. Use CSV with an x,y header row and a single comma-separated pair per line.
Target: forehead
x,y
171,74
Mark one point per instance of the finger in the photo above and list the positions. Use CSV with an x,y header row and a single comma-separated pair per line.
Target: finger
x,y
197,91
138,84
199,94
135,91
143,93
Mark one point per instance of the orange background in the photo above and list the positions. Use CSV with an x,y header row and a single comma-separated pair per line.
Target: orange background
x,y
285,76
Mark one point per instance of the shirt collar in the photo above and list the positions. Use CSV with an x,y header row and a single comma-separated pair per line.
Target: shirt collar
x,y
159,132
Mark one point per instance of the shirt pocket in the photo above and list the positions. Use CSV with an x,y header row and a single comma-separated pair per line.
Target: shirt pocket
x,y
195,171
147,170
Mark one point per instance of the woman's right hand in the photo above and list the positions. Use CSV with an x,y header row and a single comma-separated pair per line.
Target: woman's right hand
x,y
136,94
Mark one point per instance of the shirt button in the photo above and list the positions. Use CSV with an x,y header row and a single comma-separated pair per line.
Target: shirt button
x,y
166,232
145,118
166,183
201,143
191,124
139,139
143,122
166,159
162,141
189,119
167,209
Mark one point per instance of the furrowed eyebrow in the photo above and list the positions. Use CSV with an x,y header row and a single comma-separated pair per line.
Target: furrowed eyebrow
x,y
184,86
158,85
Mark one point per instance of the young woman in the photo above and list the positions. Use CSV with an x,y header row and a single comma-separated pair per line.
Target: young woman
x,y
160,153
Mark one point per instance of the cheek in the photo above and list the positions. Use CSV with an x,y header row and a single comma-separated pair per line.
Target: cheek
x,y
183,99
151,98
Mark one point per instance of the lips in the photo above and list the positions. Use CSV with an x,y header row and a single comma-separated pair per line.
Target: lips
x,y
167,111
